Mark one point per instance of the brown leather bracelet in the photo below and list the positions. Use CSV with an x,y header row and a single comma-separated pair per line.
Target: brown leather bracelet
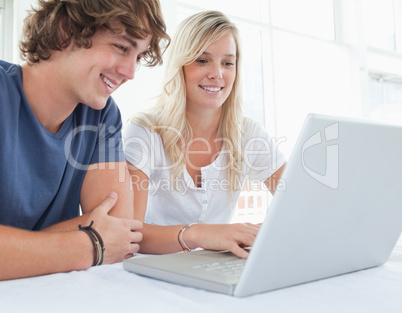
x,y
97,243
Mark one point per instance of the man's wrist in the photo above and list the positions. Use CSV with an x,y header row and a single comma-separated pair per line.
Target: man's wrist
x,y
97,243
86,251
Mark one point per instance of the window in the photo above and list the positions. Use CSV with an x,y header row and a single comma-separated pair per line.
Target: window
x,y
383,24
310,17
385,100
250,11
6,30
241,203
379,23
251,202
2,28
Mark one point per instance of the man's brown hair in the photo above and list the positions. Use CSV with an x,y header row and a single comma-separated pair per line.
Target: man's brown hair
x,y
55,23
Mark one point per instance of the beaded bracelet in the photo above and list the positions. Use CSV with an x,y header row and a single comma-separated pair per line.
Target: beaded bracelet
x,y
182,243
97,243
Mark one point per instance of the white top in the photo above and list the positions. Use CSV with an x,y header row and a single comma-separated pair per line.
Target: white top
x,y
212,202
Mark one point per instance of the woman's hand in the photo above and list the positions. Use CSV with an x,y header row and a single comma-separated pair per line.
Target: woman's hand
x,y
232,237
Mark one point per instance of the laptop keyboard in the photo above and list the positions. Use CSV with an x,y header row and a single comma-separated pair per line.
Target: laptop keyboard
x,y
229,267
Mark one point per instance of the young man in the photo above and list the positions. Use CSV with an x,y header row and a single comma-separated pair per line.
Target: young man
x,y
61,147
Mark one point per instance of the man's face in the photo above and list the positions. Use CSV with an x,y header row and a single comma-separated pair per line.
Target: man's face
x,y
92,75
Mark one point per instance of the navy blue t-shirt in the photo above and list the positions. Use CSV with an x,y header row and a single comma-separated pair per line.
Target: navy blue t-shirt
x,y
41,172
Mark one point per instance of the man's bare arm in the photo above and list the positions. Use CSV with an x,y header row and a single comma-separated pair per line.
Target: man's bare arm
x,y
28,253
100,180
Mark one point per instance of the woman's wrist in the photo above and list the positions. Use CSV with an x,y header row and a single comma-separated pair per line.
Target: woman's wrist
x,y
191,236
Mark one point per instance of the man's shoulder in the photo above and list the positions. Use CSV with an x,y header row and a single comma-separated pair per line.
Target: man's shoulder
x,y
10,74
10,82
6,66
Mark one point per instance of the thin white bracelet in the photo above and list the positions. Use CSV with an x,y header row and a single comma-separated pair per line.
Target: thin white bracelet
x,y
182,243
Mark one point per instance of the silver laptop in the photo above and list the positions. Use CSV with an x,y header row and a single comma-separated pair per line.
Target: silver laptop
x,y
338,209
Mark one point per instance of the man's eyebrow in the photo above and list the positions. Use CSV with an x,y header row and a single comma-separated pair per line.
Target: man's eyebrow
x,y
132,42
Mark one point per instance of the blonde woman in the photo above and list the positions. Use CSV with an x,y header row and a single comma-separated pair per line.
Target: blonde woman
x,y
189,156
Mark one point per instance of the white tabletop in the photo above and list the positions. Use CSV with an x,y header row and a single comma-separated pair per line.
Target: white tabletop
x,y
109,288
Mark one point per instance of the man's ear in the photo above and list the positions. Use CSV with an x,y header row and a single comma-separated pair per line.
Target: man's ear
x,y
65,38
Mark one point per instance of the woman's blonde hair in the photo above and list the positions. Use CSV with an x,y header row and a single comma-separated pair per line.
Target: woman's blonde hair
x,y
168,117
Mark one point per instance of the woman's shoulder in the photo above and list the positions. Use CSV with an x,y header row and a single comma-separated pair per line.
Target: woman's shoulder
x,y
141,126
147,119
252,128
142,120
134,127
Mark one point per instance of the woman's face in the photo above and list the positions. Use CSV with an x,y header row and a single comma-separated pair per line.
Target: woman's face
x,y
209,79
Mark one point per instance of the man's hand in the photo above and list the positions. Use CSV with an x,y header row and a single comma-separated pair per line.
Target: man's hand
x,y
121,237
